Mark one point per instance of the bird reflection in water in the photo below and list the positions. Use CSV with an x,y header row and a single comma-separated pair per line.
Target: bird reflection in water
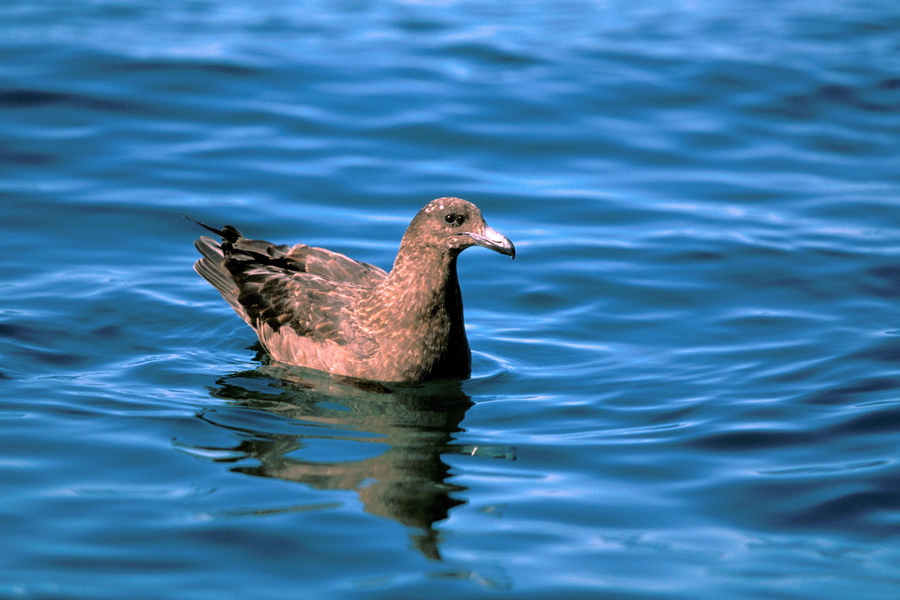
x,y
407,482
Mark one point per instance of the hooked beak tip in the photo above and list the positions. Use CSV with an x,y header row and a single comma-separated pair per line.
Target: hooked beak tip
x,y
493,240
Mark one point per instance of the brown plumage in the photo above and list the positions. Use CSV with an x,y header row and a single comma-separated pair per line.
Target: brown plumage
x,y
319,309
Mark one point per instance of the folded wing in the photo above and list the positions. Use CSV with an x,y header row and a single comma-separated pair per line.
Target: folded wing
x,y
309,291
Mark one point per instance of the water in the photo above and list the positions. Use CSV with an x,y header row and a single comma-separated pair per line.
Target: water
x,y
685,386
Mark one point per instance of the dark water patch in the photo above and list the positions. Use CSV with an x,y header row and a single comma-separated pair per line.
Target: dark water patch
x,y
885,351
25,98
855,392
185,67
890,84
28,98
885,281
489,54
817,504
754,438
878,421
824,98
26,158
857,510
21,332
421,25
856,98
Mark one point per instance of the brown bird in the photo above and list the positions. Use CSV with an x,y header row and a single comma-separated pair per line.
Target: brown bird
x,y
316,308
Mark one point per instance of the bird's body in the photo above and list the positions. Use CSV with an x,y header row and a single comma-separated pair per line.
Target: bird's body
x,y
319,309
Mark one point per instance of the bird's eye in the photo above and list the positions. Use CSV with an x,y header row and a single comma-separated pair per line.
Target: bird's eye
x,y
455,219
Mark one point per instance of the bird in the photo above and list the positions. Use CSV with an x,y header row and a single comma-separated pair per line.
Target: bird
x,y
315,308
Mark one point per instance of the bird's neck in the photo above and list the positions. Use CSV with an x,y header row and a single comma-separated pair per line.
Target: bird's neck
x,y
416,313
422,284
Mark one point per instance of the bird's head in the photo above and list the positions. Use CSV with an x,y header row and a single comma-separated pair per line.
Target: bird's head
x,y
452,225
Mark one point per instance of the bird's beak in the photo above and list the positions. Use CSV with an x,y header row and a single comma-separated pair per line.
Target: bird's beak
x,y
493,240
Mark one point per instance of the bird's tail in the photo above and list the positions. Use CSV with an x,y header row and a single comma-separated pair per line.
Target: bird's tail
x,y
227,233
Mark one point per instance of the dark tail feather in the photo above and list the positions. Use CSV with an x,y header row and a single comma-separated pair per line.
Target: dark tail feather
x,y
228,232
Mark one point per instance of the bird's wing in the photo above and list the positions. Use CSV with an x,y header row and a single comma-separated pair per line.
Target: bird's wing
x,y
309,290
335,267
212,268
311,306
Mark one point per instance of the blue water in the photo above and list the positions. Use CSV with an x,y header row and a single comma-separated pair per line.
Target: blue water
x,y
687,384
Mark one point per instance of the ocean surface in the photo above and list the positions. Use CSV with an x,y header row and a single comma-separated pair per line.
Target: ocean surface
x,y
686,386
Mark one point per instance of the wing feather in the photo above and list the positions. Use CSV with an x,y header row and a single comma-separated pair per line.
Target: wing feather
x,y
309,290
212,268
